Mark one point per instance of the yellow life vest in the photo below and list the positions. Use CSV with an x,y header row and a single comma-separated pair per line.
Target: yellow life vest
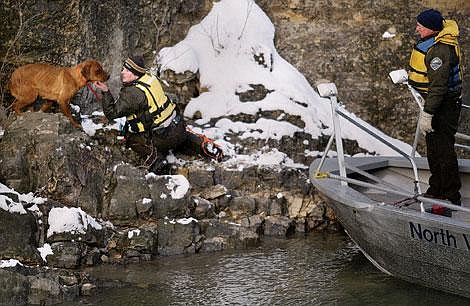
x,y
418,74
160,106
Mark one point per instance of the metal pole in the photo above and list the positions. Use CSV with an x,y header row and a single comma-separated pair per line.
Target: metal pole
x,y
339,140
415,141
327,149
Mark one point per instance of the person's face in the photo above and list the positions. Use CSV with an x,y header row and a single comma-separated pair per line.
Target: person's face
x,y
127,76
423,31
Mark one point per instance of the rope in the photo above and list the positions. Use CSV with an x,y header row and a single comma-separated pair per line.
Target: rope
x,y
204,146
407,201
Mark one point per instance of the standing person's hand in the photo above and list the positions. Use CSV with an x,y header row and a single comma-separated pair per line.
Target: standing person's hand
x,y
102,86
425,123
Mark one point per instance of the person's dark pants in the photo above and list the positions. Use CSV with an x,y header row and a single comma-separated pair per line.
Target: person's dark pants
x,y
444,182
139,143
153,149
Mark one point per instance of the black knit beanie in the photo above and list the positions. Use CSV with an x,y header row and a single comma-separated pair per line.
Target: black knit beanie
x,y
431,19
135,64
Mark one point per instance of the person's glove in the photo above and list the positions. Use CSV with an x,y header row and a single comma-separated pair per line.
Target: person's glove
x,y
425,125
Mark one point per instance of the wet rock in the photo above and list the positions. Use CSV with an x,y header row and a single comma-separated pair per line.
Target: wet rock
x,y
19,237
278,226
87,289
175,238
277,206
214,244
21,285
143,240
44,290
67,254
203,209
233,235
254,223
68,280
92,258
246,239
14,288
242,206
300,225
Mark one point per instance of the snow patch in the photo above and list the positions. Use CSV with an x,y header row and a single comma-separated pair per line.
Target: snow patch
x,y
70,219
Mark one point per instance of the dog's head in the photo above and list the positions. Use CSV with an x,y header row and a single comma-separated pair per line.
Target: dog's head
x,y
93,71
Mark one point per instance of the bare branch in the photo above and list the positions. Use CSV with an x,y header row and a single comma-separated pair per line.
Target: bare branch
x,y
22,26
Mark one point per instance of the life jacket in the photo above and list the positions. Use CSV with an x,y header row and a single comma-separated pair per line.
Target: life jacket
x,y
160,106
418,74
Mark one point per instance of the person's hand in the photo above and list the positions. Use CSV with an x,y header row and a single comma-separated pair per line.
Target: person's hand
x,y
101,86
425,121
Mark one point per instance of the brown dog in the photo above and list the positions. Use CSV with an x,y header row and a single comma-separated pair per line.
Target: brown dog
x,y
53,83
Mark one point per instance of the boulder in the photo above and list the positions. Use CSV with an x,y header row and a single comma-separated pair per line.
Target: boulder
x,y
19,237
67,254
130,188
176,238
278,226
170,195
14,288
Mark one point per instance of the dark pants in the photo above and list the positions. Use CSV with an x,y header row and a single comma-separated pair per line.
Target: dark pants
x,y
444,181
174,137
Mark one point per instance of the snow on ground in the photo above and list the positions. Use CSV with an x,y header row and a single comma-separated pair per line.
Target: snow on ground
x,y
178,186
70,219
45,250
9,263
8,204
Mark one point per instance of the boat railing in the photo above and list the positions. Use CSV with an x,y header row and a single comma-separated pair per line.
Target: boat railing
x,y
329,90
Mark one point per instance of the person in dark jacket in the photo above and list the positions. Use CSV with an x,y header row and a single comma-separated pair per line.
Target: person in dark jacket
x,y
435,72
153,121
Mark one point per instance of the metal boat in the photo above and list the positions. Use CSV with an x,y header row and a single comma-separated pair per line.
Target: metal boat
x,y
379,202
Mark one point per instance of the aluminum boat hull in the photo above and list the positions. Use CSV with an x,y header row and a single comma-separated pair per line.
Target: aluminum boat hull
x,y
419,247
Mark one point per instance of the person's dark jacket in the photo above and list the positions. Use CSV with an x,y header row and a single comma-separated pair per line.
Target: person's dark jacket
x,y
439,78
131,101
444,105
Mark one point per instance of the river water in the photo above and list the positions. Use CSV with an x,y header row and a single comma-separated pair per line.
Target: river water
x,y
320,269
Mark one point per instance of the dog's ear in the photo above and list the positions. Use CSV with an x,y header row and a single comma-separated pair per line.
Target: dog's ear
x,y
86,71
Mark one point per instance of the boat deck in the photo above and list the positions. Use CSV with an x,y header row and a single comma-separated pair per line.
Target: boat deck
x,y
397,174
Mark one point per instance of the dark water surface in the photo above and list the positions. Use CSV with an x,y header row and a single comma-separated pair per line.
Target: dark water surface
x,y
320,269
